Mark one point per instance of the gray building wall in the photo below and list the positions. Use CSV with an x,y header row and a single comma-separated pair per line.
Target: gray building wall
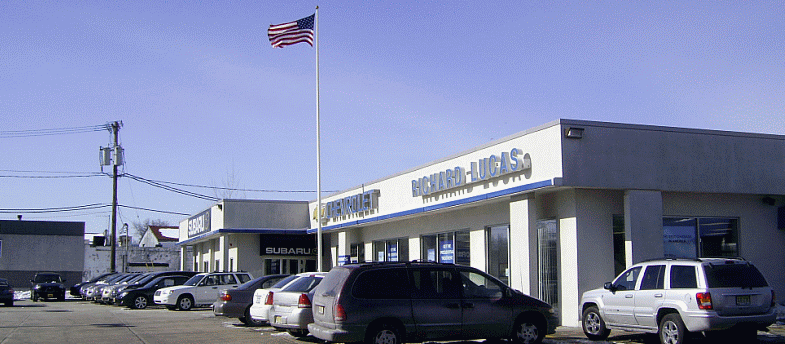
x,y
32,246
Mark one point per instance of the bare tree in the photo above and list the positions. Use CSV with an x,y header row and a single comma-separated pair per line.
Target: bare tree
x,y
230,184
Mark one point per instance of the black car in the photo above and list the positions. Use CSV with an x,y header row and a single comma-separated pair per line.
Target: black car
x,y
6,293
47,285
76,288
140,295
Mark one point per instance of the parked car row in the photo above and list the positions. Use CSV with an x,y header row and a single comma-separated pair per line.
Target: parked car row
x,y
393,303
133,290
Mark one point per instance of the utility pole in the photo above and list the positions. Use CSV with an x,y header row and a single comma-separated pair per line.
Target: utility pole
x,y
118,160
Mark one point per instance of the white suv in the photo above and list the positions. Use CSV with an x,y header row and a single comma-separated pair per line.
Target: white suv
x,y
201,289
672,297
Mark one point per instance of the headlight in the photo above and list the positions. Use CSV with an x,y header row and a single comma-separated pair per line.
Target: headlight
x,y
166,292
37,286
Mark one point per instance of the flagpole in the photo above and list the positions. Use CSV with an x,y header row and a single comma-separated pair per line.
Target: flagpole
x,y
318,152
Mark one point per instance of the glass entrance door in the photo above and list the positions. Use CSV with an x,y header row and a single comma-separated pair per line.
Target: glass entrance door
x,y
548,262
498,252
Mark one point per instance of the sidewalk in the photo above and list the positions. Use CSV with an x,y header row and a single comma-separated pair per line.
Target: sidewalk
x,y
563,335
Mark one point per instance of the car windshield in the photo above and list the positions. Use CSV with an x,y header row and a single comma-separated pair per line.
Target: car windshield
x,y
194,280
47,278
734,276
303,284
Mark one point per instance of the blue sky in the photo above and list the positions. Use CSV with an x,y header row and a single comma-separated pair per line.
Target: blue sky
x,y
205,100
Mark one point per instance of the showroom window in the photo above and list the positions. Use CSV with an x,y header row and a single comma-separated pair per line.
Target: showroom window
x,y
391,250
498,252
450,247
706,237
357,253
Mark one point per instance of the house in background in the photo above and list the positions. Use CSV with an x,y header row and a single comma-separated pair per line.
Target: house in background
x,y
156,251
160,236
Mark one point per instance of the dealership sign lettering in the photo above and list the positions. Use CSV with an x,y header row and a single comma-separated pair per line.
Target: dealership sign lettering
x,y
199,224
483,169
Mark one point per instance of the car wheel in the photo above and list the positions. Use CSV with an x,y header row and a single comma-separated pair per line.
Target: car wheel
x,y
33,297
139,302
594,325
9,303
298,333
384,333
249,321
529,330
185,303
672,330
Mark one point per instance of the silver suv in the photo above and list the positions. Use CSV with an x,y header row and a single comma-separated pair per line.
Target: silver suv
x,y
673,297
200,290
392,303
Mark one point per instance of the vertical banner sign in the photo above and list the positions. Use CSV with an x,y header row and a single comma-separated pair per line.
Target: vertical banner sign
x,y
446,252
392,252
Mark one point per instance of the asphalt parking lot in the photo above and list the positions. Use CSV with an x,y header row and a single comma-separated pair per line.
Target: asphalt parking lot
x,y
76,321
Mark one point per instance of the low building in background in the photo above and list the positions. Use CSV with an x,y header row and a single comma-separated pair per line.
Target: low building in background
x,y
27,247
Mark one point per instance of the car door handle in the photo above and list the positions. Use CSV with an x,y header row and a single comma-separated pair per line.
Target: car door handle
x,y
215,287
452,305
628,296
658,295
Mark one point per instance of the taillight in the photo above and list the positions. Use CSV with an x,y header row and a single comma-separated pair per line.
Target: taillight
x,y
269,300
304,301
773,298
339,313
226,297
704,300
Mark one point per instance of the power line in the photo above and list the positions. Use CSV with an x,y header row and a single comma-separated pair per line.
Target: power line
x,y
5,134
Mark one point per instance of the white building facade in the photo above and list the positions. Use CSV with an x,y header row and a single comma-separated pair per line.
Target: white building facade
x,y
261,237
562,208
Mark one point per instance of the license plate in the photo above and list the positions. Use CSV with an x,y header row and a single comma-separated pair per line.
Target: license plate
x,y
320,309
50,295
743,300
278,319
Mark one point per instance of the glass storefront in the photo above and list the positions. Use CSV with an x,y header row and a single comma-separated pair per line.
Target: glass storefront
x,y
391,250
450,247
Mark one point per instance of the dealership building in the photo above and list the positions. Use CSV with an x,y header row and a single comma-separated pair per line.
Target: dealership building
x,y
553,211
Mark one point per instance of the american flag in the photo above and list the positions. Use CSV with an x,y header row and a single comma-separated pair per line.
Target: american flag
x,y
295,32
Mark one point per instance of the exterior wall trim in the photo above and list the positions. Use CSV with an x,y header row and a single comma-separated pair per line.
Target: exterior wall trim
x,y
500,193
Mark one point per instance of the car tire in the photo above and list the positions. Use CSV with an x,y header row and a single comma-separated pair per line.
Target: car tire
x,y
593,325
298,333
139,302
384,333
672,330
249,321
185,303
34,297
528,330
9,303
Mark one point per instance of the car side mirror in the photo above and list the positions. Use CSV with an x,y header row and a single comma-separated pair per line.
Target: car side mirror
x,y
609,286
